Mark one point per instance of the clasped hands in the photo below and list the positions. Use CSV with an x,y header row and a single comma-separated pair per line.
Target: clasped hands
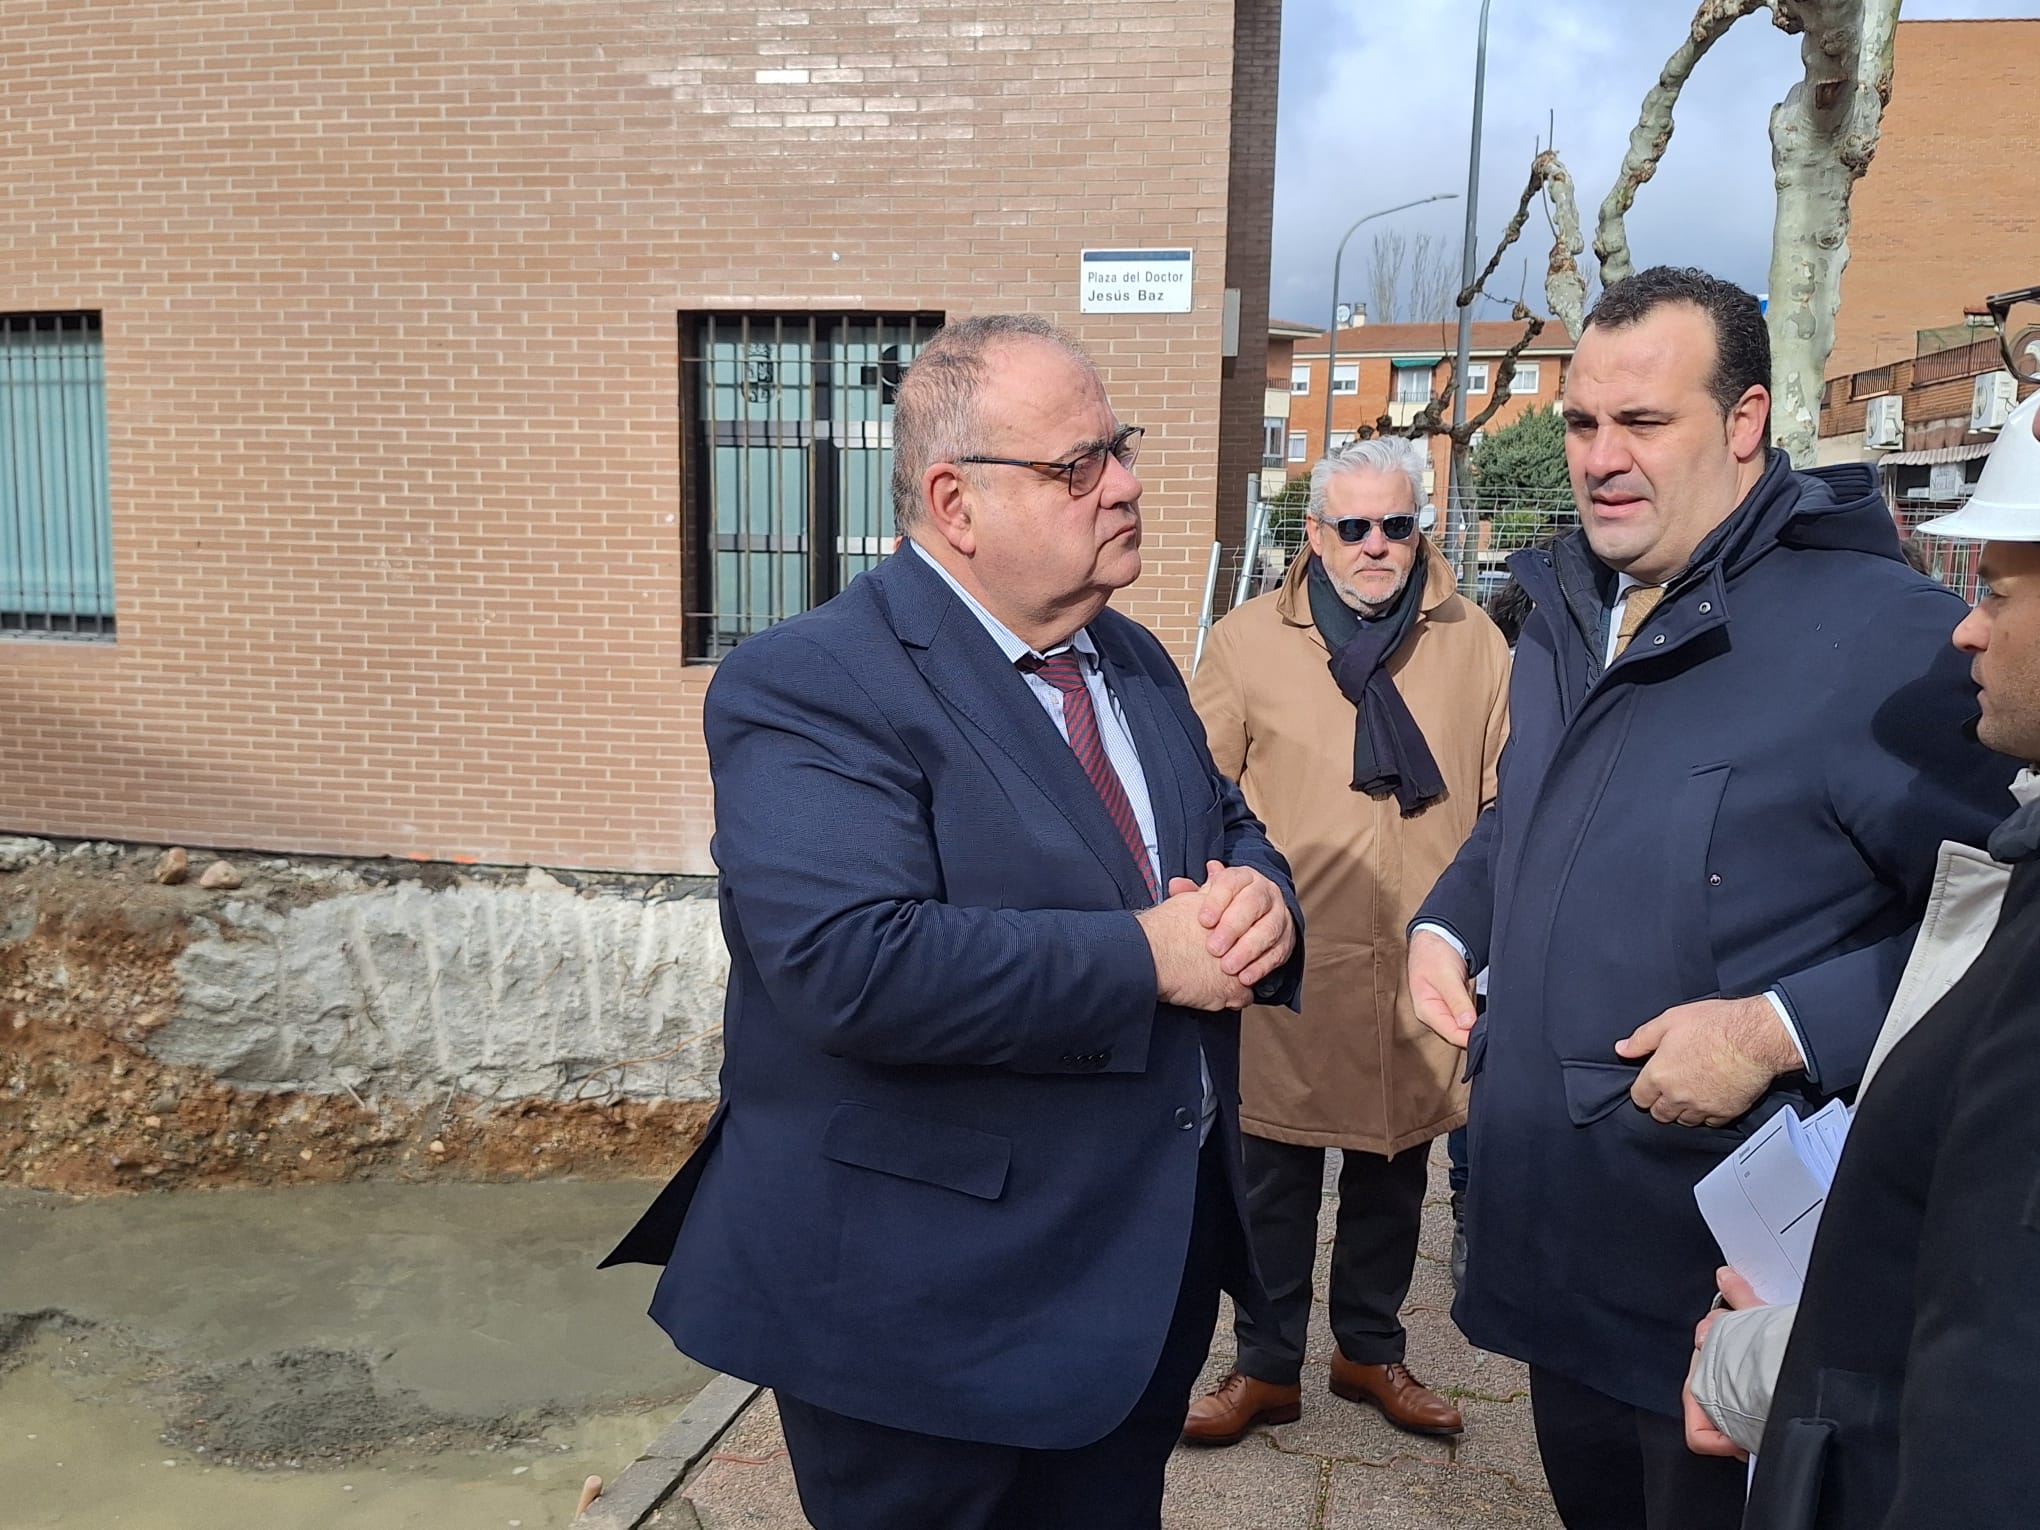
x,y
1707,1062
1213,943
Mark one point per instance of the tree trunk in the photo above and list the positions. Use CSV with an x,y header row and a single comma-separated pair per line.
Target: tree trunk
x,y
1822,137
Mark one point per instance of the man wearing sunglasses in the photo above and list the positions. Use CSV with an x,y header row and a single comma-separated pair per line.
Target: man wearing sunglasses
x,y
1738,734
973,1186
1362,709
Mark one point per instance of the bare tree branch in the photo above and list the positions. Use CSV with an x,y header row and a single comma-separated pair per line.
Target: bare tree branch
x,y
1504,374
1653,130
1430,420
1540,168
1564,288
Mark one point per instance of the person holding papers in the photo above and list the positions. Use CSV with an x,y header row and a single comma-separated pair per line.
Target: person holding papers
x,y
1736,738
1900,1402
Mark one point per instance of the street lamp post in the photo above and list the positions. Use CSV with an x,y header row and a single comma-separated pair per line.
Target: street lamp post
x,y
1332,334
1458,546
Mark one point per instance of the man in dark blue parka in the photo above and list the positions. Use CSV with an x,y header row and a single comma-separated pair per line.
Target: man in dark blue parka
x,y
1740,733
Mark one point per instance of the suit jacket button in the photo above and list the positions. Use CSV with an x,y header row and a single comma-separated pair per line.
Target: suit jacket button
x,y
1185,1118
1103,1057
1070,1060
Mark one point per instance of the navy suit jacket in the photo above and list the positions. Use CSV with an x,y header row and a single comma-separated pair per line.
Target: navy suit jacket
x,y
949,1187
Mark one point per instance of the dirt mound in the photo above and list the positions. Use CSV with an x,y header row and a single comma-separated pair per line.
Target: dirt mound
x,y
19,1330
310,1405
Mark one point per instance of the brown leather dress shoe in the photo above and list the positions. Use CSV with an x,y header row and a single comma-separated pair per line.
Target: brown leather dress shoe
x,y
1225,1414
1403,1400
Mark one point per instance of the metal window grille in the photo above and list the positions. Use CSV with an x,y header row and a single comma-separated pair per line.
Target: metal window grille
x,y
788,470
56,533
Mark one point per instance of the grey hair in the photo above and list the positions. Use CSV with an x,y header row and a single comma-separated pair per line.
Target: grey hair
x,y
935,411
1380,454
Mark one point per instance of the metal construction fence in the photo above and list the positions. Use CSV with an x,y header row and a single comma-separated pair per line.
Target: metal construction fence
x,y
1496,529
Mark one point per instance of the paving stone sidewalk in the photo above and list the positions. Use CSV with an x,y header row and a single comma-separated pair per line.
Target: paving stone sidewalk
x,y
1339,1467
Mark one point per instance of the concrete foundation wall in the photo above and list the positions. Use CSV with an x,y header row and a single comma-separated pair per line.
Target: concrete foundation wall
x,y
498,993
328,1020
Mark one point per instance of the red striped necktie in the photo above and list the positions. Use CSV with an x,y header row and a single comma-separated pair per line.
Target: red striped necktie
x,y
1080,721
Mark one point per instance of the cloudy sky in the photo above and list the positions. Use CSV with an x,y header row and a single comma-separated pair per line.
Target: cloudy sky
x,y
1377,104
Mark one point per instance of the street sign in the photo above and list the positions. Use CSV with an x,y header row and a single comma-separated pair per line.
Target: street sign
x,y
1134,281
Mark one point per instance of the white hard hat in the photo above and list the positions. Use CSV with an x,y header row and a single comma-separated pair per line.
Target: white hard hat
x,y
2006,504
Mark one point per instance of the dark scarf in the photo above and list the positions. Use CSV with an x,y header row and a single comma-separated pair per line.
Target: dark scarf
x,y
1389,752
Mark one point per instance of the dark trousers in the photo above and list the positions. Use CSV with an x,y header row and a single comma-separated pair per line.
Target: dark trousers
x,y
854,1475
1616,1467
1374,1250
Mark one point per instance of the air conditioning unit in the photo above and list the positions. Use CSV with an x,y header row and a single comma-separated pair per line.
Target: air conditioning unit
x,y
1884,422
1990,404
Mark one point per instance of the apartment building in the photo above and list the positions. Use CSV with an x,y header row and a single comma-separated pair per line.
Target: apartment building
x,y
1389,372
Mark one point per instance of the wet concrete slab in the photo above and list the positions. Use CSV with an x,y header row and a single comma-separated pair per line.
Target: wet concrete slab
x,y
445,1353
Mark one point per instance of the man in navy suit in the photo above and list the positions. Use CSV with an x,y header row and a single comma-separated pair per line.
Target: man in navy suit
x,y
974,1183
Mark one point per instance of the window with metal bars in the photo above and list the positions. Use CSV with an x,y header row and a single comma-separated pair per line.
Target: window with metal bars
x,y
788,464
56,534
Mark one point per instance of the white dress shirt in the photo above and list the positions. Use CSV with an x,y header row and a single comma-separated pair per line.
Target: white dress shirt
x,y
1113,733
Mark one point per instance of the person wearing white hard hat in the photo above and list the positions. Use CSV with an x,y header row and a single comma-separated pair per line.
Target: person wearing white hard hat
x,y
1898,1374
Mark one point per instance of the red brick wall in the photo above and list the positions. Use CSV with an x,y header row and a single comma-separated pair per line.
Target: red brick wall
x,y
1946,215
1250,198
390,295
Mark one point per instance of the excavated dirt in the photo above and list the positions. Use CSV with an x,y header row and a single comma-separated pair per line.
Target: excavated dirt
x,y
87,946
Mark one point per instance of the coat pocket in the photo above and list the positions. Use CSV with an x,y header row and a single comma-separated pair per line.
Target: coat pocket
x,y
912,1147
1476,1049
1688,843
1595,1091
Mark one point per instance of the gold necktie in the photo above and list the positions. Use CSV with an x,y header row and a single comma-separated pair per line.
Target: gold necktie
x,y
1638,601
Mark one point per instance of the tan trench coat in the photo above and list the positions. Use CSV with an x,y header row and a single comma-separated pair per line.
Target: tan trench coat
x,y
1357,1069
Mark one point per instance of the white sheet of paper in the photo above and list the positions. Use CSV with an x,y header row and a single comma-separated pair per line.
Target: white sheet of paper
x,y
1811,1147
1762,1203
1831,1124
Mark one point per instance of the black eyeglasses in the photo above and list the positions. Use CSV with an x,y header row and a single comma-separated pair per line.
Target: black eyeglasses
x,y
1354,528
1084,470
2017,318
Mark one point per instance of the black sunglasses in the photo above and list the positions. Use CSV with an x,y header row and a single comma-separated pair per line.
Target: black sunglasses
x,y
2025,364
1354,528
1085,469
